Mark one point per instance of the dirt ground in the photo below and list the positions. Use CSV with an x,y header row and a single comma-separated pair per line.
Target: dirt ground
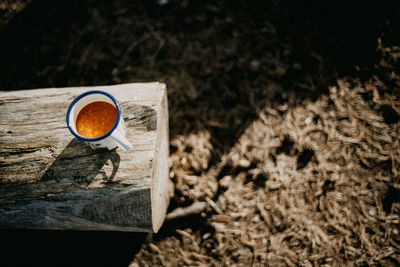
x,y
284,120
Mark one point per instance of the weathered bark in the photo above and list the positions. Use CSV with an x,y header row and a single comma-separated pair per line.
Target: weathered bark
x,y
51,180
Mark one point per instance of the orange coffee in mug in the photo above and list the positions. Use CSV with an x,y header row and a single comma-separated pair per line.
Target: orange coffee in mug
x,y
96,119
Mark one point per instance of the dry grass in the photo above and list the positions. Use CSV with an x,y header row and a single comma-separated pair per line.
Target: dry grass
x,y
10,8
284,126
313,186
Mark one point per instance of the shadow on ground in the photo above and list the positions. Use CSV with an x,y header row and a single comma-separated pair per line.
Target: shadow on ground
x,y
221,61
68,248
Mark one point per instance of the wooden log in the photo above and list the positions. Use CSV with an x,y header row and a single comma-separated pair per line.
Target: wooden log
x,y
51,180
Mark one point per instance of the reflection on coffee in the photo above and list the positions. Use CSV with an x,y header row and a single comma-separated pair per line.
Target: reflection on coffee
x,y
96,119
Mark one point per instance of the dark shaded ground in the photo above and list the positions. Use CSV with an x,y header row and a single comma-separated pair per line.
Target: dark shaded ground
x,y
224,63
68,248
208,53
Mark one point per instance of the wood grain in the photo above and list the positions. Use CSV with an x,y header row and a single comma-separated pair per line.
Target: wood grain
x,y
51,180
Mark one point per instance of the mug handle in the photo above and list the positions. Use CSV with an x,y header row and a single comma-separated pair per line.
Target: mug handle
x,y
121,141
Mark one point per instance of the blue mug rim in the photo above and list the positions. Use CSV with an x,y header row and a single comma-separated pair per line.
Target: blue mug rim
x,y
107,133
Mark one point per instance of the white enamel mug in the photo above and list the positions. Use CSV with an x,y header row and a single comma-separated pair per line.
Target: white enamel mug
x,y
114,137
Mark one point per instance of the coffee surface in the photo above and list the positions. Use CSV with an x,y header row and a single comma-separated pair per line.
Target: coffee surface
x,y
96,119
